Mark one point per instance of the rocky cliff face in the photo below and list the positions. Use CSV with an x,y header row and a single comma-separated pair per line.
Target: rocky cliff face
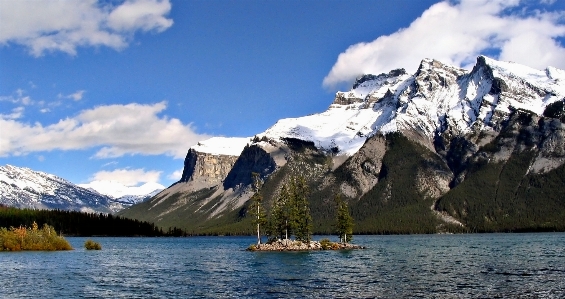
x,y
206,167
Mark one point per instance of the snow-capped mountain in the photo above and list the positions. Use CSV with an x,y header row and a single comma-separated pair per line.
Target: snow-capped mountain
x,y
26,188
436,99
453,139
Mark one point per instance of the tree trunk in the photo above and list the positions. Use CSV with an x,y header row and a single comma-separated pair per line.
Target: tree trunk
x,y
258,231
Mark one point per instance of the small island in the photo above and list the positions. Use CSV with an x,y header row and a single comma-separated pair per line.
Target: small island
x,y
290,215
292,245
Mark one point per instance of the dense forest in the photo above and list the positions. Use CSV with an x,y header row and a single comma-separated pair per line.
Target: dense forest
x,y
73,223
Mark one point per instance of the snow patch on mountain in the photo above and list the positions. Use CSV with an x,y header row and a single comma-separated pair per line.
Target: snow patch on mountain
x,y
230,146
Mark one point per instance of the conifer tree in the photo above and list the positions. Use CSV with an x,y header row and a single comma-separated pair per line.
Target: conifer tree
x,y
344,221
280,215
302,220
256,208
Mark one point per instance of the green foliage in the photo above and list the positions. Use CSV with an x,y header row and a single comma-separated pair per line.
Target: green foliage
x,y
344,221
280,217
326,244
290,213
502,197
92,245
300,218
33,238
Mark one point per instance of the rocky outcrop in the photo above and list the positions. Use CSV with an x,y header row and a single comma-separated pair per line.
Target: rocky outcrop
x,y
253,159
210,168
364,167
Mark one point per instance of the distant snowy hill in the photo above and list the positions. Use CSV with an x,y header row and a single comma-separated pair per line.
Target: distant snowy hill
x,y
26,188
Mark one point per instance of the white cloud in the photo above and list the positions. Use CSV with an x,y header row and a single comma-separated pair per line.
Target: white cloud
x,y
176,175
146,15
77,96
456,33
120,182
65,25
128,177
118,129
16,113
17,97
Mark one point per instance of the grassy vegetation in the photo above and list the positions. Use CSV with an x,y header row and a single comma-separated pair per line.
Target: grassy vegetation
x,y
92,245
32,238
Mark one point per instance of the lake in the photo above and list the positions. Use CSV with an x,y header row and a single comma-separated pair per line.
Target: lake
x,y
415,266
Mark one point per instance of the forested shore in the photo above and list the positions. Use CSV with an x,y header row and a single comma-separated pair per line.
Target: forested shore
x,y
73,223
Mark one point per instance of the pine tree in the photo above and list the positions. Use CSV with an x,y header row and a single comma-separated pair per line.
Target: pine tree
x,y
290,214
301,218
344,221
281,214
256,209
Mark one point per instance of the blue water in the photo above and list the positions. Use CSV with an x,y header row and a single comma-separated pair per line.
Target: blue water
x,y
420,266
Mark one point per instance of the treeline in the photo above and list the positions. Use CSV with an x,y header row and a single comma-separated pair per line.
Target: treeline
x,y
73,223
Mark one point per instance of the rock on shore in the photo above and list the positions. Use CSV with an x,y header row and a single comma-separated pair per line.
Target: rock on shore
x,y
292,245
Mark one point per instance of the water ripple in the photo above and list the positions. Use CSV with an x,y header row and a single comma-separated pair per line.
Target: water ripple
x,y
431,266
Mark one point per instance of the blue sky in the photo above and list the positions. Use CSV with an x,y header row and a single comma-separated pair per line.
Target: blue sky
x,y
119,90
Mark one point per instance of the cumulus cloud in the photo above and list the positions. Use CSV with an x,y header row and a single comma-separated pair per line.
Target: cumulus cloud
x,y
456,33
118,129
120,182
47,26
128,177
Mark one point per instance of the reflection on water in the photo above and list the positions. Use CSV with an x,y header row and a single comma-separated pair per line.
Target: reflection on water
x,y
421,266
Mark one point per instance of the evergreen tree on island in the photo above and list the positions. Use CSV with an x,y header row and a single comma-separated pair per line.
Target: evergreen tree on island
x,y
256,208
280,217
301,218
344,221
290,214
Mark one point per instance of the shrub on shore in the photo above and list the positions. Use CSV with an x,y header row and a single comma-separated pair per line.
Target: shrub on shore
x,y
92,245
23,238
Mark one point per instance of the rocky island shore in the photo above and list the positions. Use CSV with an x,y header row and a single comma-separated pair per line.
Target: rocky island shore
x,y
293,245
